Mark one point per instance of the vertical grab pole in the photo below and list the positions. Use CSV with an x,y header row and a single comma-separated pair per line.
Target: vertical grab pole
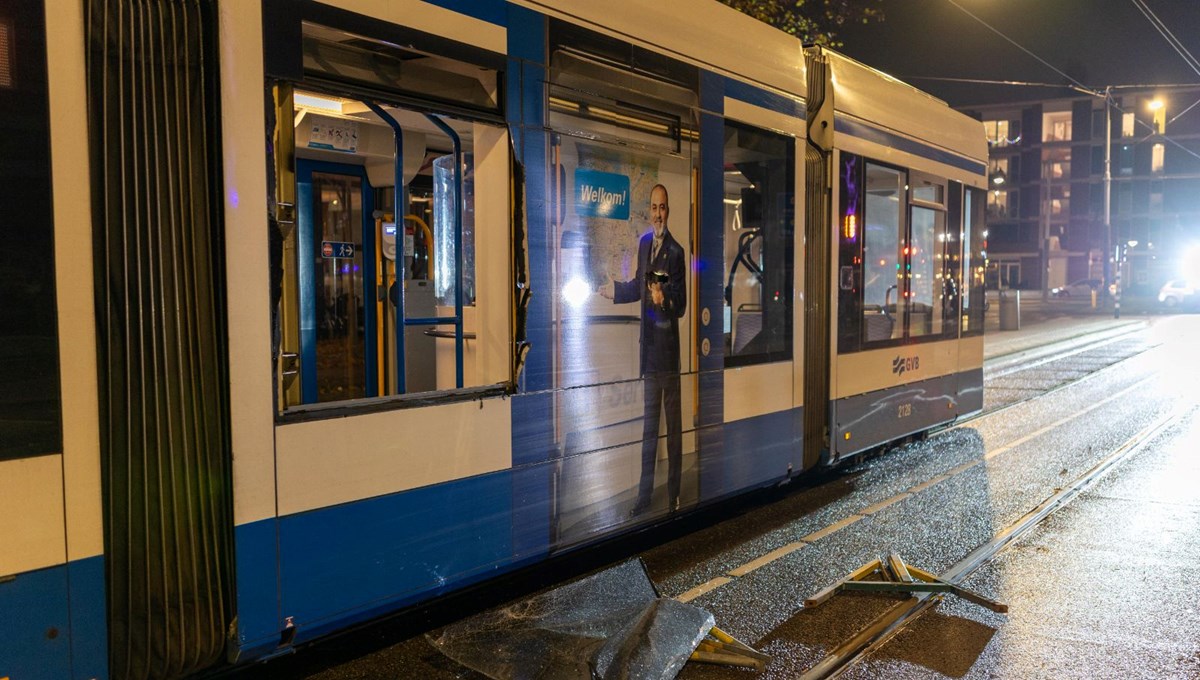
x,y
398,215
458,246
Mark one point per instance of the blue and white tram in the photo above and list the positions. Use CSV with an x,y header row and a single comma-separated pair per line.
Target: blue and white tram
x,y
318,309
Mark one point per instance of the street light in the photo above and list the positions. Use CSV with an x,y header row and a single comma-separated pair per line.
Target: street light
x,y
1158,108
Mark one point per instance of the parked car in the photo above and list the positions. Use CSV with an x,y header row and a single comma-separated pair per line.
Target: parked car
x,y
1177,292
1082,288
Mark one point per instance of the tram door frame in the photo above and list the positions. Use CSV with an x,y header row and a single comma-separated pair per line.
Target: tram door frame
x,y
306,245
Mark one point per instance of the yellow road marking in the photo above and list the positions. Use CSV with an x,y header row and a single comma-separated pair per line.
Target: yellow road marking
x,y
871,510
766,559
1032,435
697,591
963,468
928,483
838,526
832,528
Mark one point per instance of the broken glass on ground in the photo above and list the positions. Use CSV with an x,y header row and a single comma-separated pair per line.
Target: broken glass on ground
x,y
612,625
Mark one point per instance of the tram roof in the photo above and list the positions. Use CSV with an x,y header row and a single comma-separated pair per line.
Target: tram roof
x,y
761,54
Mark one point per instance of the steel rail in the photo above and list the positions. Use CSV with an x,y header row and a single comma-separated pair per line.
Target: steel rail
x,y
880,631
1049,359
1010,363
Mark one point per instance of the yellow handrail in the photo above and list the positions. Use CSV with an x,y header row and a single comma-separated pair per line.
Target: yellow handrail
x,y
428,241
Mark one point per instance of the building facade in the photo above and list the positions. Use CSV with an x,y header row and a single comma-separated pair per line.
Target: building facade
x,y
1046,206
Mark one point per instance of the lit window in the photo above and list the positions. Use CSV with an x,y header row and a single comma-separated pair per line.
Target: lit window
x,y
1127,125
997,132
1056,127
1156,158
997,204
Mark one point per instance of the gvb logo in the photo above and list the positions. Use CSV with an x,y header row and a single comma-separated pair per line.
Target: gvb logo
x,y
902,364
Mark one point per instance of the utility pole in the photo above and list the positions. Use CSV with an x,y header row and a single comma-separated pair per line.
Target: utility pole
x,y
1044,229
1108,239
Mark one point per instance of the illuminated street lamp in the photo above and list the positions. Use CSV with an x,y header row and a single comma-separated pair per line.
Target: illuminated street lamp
x,y
1158,108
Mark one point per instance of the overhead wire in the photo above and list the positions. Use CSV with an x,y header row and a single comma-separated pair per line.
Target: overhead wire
x,y
1175,44
1167,35
1075,84
1016,44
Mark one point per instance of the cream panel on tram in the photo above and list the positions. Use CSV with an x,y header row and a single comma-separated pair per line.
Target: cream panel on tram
x,y
970,353
246,262
872,370
327,462
769,388
73,272
688,30
31,514
493,354
868,94
912,161
758,390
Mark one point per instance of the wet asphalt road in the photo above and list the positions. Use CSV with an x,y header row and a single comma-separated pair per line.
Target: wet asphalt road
x,y
1102,589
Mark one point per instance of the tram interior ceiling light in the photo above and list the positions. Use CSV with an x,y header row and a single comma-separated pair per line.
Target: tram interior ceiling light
x,y
318,103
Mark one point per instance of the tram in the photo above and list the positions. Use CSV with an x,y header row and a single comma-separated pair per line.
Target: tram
x,y
315,310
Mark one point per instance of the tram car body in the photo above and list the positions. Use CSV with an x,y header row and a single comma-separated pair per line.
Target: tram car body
x,y
616,226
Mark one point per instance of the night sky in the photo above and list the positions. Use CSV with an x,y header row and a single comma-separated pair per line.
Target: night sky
x,y
1098,42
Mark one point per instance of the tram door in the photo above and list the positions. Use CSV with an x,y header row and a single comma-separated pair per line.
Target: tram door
x,y
335,253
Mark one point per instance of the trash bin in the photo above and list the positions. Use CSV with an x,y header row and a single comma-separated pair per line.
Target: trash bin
x,y
1010,310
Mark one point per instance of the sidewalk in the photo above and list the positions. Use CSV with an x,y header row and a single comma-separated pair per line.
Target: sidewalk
x,y
1051,321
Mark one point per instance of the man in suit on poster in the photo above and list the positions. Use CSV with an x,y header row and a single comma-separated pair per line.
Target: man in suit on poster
x,y
660,284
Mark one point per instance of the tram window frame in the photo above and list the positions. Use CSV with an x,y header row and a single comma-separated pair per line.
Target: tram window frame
x,y
974,254
856,322
30,345
454,75
928,193
768,204
477,125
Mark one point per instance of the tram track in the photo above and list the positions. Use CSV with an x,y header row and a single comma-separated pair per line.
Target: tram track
x,y
1043,360
885,627
1022,360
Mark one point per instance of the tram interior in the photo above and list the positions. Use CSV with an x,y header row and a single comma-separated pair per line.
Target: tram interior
x,y
350,261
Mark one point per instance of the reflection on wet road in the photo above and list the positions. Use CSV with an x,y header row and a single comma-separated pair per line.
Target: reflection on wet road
x,y
1080,596
1101,589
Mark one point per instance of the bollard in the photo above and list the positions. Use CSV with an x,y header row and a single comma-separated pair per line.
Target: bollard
x,y
1010,310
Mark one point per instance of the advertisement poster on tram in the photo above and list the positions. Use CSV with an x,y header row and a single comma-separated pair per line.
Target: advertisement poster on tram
x,y
624,341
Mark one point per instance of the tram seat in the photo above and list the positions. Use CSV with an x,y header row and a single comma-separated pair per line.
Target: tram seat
x,y
920,319
748,326
879,326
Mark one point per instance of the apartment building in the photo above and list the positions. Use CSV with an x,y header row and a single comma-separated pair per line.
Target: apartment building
x,y
1046,206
